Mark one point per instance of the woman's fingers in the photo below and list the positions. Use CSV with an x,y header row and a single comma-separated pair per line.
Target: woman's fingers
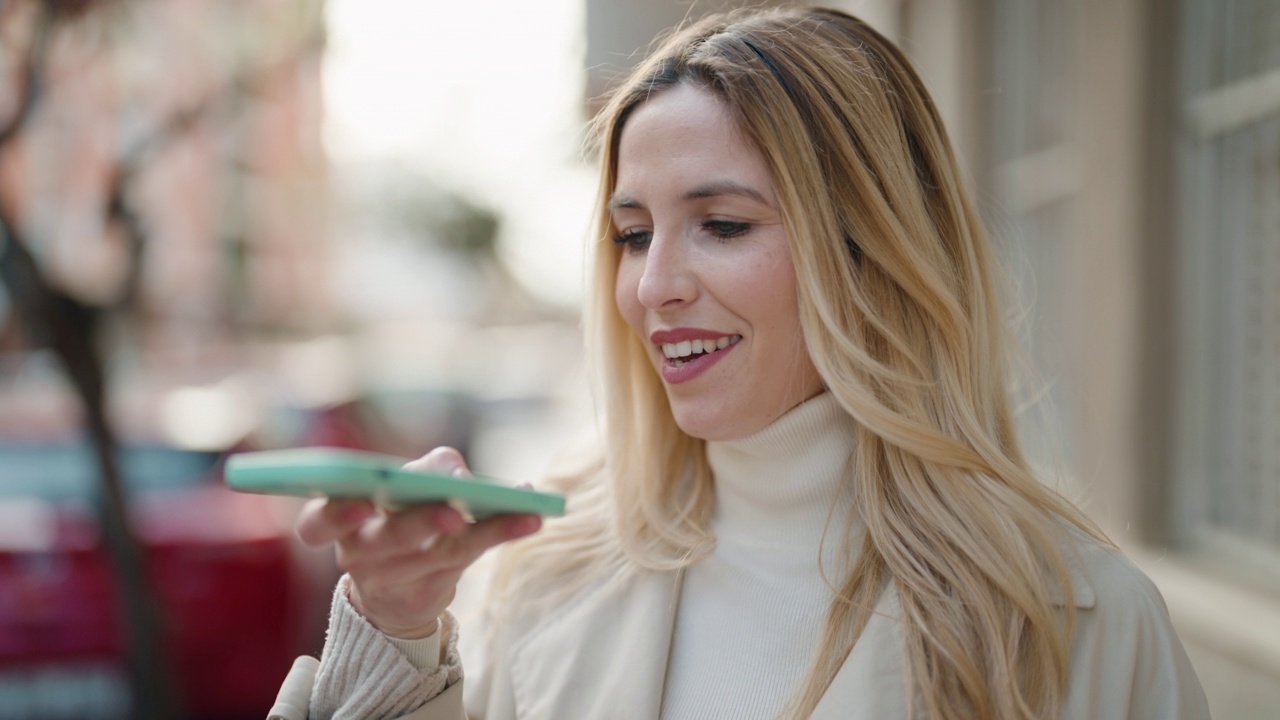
x,y
459,550
323,521
444,460
400,532
402,591
429,538
405,562
499,529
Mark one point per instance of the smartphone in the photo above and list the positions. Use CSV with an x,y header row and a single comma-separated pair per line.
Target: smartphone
x,y
341,473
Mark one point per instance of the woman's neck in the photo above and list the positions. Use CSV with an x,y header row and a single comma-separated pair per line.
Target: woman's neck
x,y
782,486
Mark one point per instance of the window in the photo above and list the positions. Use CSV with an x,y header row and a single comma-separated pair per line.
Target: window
x,y
1036,178
1227,484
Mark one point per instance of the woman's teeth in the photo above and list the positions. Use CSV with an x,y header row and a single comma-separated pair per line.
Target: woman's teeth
x,y
684,351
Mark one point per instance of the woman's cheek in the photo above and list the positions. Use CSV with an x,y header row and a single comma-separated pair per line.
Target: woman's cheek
x,y
625,296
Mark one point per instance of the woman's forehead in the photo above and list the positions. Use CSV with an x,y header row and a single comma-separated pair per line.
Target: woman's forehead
x,y
684,143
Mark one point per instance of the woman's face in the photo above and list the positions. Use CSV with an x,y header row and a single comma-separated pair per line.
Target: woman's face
x,y
705,277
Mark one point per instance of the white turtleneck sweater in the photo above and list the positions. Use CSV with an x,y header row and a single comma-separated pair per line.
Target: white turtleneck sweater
x,y
751,615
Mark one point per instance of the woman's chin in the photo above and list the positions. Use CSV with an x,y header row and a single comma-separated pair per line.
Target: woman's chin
x,y
711,426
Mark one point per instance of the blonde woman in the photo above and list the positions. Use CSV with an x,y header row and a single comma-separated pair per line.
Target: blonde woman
x,y
810,499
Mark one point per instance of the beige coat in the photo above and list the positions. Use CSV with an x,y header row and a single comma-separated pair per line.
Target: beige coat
x,y
605,656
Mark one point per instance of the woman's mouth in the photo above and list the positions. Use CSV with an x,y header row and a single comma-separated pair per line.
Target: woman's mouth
x,y
687,359
681,353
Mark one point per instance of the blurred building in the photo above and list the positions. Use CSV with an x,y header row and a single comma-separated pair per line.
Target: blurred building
x,y
1133,154
1127,158
162,212
169,172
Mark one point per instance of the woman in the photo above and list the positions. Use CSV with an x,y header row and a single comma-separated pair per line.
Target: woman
x,y
811,500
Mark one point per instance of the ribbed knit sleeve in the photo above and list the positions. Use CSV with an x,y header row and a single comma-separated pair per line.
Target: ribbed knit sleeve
x,y
363,675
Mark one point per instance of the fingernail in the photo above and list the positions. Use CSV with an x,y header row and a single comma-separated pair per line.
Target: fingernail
x,y
369,530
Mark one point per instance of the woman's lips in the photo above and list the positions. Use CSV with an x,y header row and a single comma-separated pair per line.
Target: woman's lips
x,y
688,352
691,368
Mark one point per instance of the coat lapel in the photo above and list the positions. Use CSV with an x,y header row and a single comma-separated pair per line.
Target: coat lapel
x,y
872,682
618,674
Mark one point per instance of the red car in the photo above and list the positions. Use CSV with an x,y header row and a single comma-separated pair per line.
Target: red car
x,y
239,599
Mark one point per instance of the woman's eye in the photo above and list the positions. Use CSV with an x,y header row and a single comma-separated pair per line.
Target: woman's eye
x,y
635,240
726,229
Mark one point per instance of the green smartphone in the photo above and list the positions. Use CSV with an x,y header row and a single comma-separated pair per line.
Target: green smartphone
x,y
341,473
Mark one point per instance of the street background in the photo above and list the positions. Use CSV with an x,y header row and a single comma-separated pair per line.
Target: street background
x,y
231,225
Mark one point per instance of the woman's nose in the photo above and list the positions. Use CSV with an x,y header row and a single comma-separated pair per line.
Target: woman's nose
x,y
668,278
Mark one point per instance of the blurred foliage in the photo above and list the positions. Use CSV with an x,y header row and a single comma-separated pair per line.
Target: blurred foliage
x,y
403,202
464,227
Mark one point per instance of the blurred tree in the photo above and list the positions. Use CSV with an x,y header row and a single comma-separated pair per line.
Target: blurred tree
x,y
403,202
398,201
68,327
60,303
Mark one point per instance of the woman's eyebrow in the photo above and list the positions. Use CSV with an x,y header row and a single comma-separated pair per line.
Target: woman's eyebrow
x,y
618,202
726,187
712,189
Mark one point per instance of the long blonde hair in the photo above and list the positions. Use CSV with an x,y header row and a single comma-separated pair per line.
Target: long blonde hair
x,y
900,313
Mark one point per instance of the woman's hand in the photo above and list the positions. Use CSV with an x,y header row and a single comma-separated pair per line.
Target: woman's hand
x,y
405,564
